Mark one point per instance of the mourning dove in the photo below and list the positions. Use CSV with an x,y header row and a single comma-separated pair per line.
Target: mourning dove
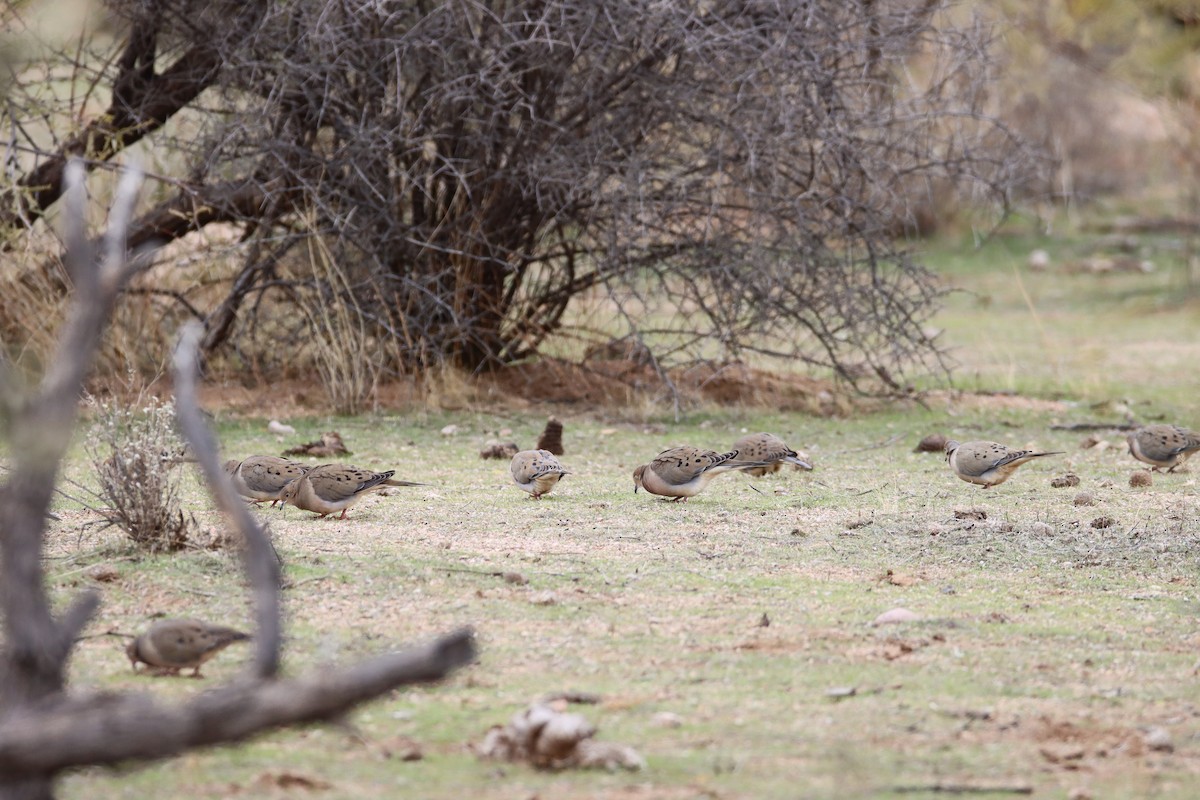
x,y
1163,446
683,472
260,478
174,644
987,463
770,448
335,487
536,471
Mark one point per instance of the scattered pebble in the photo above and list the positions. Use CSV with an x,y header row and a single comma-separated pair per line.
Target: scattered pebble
x,y
449,430
1064,481
1085,499
275,426
499,450
1156,738
896,616
839,692
1038,260
103,573
933,443
546,598
666,719
1140,478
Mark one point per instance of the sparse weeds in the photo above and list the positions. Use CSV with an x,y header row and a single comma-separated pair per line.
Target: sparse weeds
x,y
135,451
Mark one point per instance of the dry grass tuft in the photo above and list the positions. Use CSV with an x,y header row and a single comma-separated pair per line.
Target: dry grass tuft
x,y
134,451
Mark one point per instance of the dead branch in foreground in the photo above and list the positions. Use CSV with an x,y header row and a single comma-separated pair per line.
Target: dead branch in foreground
x,y
111,728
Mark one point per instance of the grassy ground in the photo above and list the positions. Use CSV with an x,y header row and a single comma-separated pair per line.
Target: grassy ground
x,y
1050,654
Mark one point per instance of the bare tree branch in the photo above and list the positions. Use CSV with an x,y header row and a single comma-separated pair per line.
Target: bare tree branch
x,y
262,567
109,729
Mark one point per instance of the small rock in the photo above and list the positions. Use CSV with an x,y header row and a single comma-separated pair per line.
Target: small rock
x,y
1103,522
1140,478
515,578
499,450
1064,481
895,616
1038,260
666,719
275,426
1085,499
401,748
504,432
840,692
1041,529
1090,441
450,430
1159,739
103,573
546,598
933,443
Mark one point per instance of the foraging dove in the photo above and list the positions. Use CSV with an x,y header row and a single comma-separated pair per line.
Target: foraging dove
x,y
261,478
987,463
1163,446
683,472
536,472
174,644
770,448
335,487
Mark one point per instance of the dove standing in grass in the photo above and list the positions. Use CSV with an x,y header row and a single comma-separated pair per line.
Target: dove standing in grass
x,y
770,448
261,478
987,463
1163,446
174,644
335,487
683,472
536,472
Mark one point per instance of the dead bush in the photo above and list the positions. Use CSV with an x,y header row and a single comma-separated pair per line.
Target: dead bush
x,y
135,450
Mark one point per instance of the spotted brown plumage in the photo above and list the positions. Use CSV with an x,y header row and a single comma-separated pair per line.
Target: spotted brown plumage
x,y
261,478
769,448
987,463
335,487
1163,446
683,472
174,644
536,472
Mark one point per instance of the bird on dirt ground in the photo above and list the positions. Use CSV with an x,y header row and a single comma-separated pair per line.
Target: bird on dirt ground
x,y
683,472
261,478
987,463
174,644
770,448
1163,446
536,472
335,487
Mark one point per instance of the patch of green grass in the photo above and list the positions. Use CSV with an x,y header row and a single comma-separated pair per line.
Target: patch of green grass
x,y
1074,335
